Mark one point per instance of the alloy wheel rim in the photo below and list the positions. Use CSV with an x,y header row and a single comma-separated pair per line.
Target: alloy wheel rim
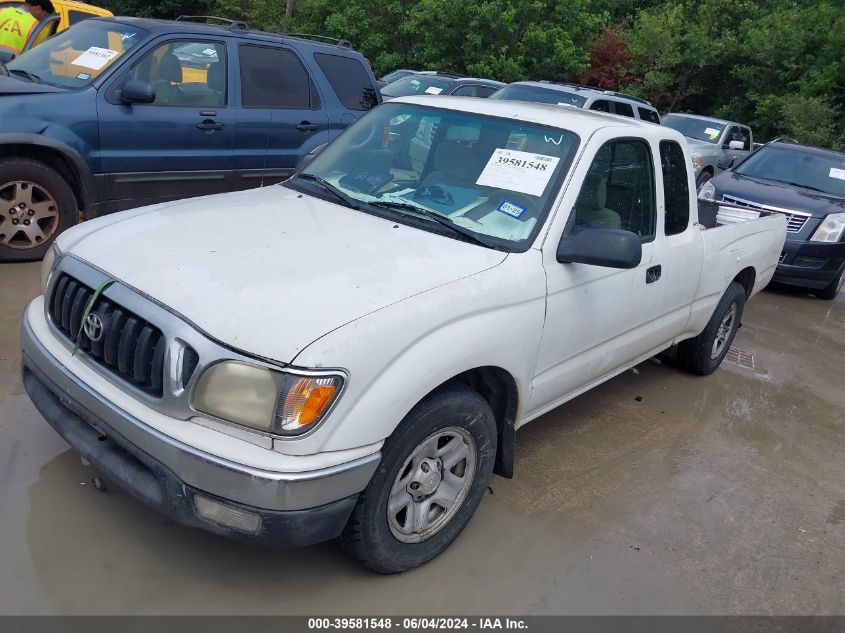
x,y
29,215
431,485
724,332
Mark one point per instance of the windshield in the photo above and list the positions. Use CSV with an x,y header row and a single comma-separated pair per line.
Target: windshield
x,y
415,85
493,178
535,94
77,56
698,129
814,171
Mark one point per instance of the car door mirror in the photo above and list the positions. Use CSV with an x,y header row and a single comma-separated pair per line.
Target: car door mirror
x,y
736,145
612,248
725,164
137,91
6,56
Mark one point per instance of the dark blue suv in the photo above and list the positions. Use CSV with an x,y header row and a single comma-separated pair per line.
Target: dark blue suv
x,y
117,113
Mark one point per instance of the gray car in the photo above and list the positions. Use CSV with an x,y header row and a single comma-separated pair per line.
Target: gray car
x,y
711,142
440,84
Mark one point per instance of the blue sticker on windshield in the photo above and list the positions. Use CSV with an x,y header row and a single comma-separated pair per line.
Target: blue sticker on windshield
x,y
514,210
83,76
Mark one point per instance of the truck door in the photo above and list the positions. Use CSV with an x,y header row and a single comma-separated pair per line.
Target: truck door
x,y
599,319
681,251
181,144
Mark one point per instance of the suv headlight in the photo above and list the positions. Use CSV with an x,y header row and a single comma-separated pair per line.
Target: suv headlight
x,y
707,192
275,402
47,264
831,228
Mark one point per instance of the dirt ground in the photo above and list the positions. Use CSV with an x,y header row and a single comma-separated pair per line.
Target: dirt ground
x,y
656,493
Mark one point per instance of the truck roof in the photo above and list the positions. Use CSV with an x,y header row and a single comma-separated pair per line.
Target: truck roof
x,y
239,29
582,122
701,117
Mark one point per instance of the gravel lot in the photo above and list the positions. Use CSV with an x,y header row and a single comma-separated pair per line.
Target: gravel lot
x,y
658,492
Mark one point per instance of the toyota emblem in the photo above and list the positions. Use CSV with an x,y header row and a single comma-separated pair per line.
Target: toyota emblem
x,y
94,328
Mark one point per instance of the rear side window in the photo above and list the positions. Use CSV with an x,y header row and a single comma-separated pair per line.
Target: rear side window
x,y
675,187
649,115
602,105
623,108
274,78
349,80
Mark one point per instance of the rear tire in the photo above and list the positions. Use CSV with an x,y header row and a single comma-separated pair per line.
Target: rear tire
x,y
36,205
832,290
704,353
441,453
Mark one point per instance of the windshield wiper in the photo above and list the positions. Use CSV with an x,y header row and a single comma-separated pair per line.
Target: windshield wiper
x,y
441,219
349,201
25,73
798,184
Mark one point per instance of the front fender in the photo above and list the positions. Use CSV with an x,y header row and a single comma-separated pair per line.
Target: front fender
x,y
399,354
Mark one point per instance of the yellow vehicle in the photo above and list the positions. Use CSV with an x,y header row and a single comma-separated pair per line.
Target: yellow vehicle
x,y
69,11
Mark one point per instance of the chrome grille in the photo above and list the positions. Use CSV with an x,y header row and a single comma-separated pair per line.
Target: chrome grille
x,y
129,346
795,220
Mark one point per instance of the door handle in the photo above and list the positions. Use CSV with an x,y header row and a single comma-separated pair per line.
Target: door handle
x,y
305,126
653,274
210,125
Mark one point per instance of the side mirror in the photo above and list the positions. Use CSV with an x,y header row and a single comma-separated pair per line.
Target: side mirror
x,y
612,248
737,145
725,164
6,56
137,91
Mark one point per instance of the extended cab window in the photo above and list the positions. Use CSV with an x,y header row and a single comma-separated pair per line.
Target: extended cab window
x,y
623,108
185,73
274,78
601,105
649,115
349,80
675,187
618,191
736,133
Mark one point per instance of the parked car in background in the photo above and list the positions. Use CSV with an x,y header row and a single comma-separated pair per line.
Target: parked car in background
x,y
351,353
711,141
119,112
69,11
440,84
402,72
807,185
579,96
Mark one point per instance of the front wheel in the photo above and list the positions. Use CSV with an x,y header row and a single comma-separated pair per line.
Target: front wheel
x,y
704,353
831,291
703,177
36,204
433,474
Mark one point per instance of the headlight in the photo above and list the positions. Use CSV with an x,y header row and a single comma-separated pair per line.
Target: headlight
x,y
707,192
47,266
696,161
831,228
271,401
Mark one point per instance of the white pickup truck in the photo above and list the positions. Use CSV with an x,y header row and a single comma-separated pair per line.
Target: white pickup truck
x,y
350,353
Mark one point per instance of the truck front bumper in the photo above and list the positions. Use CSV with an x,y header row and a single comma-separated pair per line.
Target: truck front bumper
x,y
810,264
173,478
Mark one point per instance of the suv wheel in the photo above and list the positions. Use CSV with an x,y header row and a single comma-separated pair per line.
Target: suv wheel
x,y
36,204
831,291
433,474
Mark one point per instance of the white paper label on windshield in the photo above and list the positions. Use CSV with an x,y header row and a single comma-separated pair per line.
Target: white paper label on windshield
x,y
712,132
513,170
432,90
95,58
839,174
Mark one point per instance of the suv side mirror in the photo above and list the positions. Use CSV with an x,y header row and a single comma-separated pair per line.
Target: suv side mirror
x,y
736,145
612,248
137,91
725,164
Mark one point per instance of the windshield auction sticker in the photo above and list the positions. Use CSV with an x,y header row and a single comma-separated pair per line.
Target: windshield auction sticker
x,y
95,58
513,170
837,173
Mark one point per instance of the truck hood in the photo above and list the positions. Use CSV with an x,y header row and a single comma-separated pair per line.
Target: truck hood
x,y
777,194
14,86
269,271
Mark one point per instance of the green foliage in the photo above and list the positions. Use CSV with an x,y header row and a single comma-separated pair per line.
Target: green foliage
x,y
168,9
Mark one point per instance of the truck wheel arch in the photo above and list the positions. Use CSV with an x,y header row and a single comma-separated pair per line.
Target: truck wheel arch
x,y
746,278
60,156
498,387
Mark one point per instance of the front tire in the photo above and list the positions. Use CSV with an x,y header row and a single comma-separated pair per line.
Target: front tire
x,y
703,177
831,291
432,477
704,353
36,205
